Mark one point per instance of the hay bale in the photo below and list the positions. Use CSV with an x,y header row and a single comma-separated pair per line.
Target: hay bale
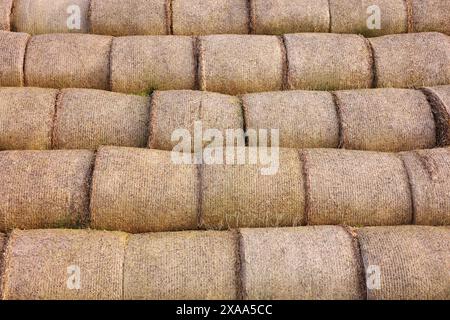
x,y
237,64
173,110
68,61
356,188
138,190
12,52
44,189
386,120
26,118
49,16
123,18
439,99
87,119
306,119
5,14
290,16
142,64
413,261
352,16
235,196
429,174
202,17
412,60
431,15
309,263
181,266
328,61
40,265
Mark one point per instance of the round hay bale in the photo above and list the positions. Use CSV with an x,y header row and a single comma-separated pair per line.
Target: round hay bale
x,y
328,61
439,99
142,64
412,60
413,262
431,15
68,61
306,119
181,266
12,52
354,16
290,16
123,18
308,263
429,174
87,119
202,17
238,64
50,264
26,118
5,14
44,189
241,196
138,190
175,110
386,120
50,16
356,188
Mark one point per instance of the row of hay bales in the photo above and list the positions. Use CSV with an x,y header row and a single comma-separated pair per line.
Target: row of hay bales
x,y
230,64
389,120
323,262
202,17
140,190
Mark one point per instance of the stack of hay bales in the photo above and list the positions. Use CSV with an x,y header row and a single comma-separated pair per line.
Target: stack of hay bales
x,y
117,176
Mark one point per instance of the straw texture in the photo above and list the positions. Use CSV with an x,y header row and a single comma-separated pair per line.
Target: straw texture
x,y
186,266
235,196
123,18
328,62
439,99
136,191
354,16
290,16
386,120
142,64
179,110
431,15
201,17
356,188
68,60
5,14
305,119
39,262
12,52
310,263
26,119
412,60
429,172
49,16
238,64
413,261
87,119
44,189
